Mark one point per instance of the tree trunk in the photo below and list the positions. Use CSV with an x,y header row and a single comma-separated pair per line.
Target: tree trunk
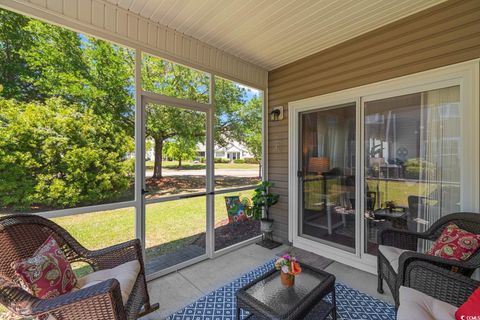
x,y
179,162
157,167
259,169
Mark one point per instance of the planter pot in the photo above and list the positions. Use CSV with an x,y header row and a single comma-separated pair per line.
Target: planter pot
x,y
287,279
266,225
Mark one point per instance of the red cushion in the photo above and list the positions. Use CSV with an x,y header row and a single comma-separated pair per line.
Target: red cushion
x,y
455,243
48,273
471,308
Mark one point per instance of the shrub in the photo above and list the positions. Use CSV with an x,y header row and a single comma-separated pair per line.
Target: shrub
x,y
60,155
250,160
415,167
239,161
221,160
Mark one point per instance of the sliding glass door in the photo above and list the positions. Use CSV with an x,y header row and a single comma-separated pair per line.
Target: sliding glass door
x,y
412,147
402,154
327,175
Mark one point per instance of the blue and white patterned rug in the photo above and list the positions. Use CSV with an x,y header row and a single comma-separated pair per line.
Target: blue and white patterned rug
x,y
220,304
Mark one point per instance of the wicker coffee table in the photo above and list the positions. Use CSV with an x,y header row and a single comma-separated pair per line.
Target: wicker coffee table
x,y
267,298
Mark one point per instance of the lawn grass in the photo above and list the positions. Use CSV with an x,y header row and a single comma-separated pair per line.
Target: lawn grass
x,y
398,191
165,222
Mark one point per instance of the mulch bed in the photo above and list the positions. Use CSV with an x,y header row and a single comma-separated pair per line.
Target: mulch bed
x,y
228,234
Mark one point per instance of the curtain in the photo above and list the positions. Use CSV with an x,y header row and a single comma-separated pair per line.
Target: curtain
x,y
440,152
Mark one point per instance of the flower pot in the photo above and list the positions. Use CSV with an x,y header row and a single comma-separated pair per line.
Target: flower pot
x,y
287,280
266,225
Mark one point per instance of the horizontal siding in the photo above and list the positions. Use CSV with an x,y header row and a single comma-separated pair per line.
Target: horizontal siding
x,y
446,34
106,20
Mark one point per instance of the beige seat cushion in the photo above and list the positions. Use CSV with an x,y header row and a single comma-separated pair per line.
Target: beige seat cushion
x,y
417,305
126,274
392,254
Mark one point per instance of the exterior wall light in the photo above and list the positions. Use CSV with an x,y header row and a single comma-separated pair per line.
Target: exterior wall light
x,y
276,114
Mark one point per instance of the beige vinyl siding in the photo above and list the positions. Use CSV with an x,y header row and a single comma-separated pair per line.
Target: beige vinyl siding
x,y
445,34
108,21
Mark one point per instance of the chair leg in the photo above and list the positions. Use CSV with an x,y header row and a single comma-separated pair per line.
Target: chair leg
x,y
380,279
380,284
148,308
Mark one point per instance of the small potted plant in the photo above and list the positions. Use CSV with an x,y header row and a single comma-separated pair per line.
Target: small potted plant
x,y
289,268
262,200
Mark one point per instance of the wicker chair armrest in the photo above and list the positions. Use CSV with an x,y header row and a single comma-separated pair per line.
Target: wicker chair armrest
x,y
14,298
402,239
99,301
440,283
410,256
104,299
116,255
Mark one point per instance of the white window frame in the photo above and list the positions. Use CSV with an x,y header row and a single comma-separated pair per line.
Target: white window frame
x,y
466,75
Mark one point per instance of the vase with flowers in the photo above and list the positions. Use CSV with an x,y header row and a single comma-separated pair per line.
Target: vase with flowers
x,y
289,268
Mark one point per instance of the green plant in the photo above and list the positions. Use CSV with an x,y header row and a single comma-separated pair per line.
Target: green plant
x,y
238,161
251,160
415,167
221,160
262,200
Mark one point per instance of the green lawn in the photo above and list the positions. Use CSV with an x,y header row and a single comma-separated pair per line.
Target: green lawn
x,y
165,222
398,191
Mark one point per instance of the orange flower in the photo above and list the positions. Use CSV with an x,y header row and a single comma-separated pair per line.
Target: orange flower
x,y
296,268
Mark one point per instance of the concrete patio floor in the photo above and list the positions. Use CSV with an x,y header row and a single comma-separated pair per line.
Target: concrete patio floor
x,y
176,290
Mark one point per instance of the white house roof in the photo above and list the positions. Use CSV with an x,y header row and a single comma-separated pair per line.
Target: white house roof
x,y
272,33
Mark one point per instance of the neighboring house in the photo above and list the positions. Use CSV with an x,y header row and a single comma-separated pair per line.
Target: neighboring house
x,y
233,151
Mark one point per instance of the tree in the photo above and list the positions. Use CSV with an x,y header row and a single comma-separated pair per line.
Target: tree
x,y
238,118
181,149
59,155
164,122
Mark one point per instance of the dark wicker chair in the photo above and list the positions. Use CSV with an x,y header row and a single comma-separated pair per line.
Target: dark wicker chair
x,y
439,283
21,235
408,240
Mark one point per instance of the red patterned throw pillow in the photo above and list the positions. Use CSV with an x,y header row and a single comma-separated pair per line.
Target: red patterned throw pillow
x,y
455,243
48,273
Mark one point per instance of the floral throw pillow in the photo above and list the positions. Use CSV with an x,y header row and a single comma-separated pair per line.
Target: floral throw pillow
x,y
48,273
455,243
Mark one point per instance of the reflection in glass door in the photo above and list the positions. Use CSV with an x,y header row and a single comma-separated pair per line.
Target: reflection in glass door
x,y
175,184
412,147
327,175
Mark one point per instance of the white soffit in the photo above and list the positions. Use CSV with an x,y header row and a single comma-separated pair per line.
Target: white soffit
x,y
272,33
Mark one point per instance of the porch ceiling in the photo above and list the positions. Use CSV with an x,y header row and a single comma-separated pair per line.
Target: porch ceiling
x,y
272,33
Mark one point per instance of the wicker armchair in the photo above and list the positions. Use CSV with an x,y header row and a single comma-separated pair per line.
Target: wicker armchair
x,y
408,240
439,283
21,235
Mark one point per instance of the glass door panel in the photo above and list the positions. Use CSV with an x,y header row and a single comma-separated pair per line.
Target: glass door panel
x,y
412,161
327,175
175,184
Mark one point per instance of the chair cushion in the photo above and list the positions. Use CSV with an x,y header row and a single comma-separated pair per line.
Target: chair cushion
x,y
392,255
126,274
47,273
417,305
471,308
455,243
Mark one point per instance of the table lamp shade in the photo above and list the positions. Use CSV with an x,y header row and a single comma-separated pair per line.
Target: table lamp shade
x,y
318,164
